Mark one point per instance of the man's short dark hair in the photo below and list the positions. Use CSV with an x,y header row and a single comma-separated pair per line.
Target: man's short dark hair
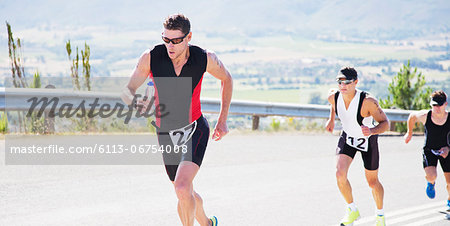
x,y
177,22
348,73
438,97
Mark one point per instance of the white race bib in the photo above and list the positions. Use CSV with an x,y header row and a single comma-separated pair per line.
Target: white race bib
x,y
360,143
182,135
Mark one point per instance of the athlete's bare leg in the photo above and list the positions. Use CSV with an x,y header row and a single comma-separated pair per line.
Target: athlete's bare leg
x,y
190,204
447,178
342,166
200,215
430,174
377,188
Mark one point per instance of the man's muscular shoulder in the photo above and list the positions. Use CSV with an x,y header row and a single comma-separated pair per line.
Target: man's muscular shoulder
x,y
331,94
370,104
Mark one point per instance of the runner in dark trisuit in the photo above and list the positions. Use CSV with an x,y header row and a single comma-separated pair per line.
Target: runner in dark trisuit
x,y
357,111
175,61
436,147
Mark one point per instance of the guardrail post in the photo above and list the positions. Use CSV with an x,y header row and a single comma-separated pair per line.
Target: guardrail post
x,y
392,126
255,122
49,122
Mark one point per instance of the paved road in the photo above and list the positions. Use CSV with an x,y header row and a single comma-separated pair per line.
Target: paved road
x,y
246,179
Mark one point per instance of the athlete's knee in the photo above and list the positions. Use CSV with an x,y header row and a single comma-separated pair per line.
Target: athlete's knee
x,y
431,176
373,182
341,175
183,190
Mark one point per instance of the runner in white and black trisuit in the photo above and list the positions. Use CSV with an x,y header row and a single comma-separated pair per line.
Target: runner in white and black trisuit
x,y
357,111
175,61
436,147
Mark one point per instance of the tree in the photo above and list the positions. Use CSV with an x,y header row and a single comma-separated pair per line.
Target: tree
x,y
36,124
17,69
15,56
74,68
3,122
85,123
36,80
407,95
86,66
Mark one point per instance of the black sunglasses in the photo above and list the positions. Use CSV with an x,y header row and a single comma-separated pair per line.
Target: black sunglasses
x,y
174,40
346,82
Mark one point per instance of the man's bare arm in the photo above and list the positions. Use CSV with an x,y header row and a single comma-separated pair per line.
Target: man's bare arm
x,y
138,77
217,69
330,123
378,115
420,116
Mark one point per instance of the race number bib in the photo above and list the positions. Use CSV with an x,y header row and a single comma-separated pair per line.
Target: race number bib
x,y
360,143
182,135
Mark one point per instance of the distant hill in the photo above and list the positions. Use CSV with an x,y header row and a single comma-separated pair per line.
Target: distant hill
x,y
379,19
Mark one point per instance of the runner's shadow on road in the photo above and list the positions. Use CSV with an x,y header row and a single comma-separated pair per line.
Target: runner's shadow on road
x,y
447,214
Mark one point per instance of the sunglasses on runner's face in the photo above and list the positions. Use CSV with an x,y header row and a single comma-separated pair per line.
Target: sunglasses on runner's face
x,y
174,40
436,105
346,82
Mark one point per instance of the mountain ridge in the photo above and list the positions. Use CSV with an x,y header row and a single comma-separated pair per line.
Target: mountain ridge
x,y
377,19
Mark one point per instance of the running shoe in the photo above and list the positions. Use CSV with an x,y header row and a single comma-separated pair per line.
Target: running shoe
x,y
448,205
350,217
214,221
430,191
380,220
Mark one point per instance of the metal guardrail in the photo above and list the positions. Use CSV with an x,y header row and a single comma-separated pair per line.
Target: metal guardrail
x,y
17,99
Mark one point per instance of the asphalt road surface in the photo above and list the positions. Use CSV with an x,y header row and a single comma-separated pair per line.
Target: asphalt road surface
x,y
246,179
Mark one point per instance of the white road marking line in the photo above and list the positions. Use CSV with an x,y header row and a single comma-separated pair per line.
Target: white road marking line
x,y
415,216
428,220
393,214
409,210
